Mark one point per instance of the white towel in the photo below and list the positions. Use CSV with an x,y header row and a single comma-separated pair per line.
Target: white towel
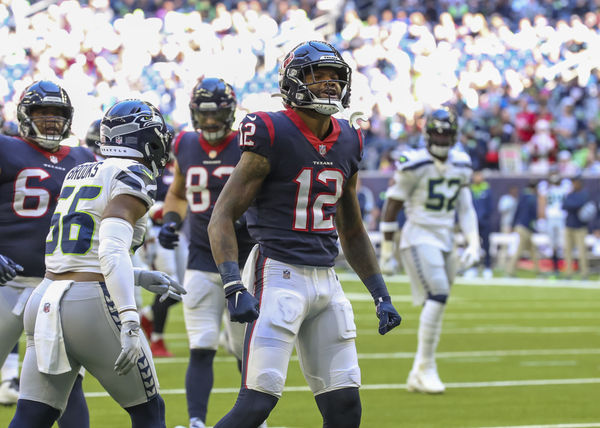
x,y
248,274
48,335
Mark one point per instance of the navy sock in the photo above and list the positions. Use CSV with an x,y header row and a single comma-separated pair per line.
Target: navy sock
x,y
251,409
33,414
160,310
199,382
340,408
150,414
76,414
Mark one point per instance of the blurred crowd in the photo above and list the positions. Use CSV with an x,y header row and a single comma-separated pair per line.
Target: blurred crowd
x,y
519,72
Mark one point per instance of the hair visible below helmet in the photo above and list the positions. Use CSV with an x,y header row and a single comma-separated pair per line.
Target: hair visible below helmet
x,y
441,122
44,94
212,96
134,128
302,61
92,138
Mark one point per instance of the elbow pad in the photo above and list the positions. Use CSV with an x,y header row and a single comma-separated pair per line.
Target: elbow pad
x,y
116,236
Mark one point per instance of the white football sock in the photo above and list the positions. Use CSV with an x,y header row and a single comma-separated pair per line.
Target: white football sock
x,y
155,336
430,329
10,369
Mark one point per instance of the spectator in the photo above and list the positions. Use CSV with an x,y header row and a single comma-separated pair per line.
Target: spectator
x,y
580,211
524,225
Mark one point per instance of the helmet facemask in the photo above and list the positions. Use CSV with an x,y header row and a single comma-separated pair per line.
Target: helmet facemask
x,y
214,123
305,93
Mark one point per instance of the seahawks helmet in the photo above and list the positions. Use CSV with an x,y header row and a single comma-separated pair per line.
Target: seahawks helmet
x,y
214,99
92,138
441,128
134,128
38,95
301,62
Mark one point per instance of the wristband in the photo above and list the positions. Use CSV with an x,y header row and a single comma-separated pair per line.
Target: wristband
x,y
172,217
230,276
388,226
376,286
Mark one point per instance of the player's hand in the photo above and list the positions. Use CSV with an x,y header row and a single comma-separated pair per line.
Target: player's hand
x,y
131,347
386,258
389,317
242,306
8,269
470,256
168,236
158,283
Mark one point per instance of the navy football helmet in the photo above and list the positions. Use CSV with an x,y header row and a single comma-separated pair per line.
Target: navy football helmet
x,y
48,130
92,138
134,128
441,127
212,108
301,62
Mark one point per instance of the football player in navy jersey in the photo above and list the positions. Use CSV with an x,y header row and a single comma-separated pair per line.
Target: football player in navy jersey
x,y
32,169
84,313
298,173
204,160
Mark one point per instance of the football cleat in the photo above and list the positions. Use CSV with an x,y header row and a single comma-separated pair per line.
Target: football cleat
x,y
147,325
196,423
9,392
425,380
159,350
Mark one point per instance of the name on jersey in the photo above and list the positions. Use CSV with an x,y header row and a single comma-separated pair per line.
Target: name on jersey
x,y
211,162
48,165
322,163
83,171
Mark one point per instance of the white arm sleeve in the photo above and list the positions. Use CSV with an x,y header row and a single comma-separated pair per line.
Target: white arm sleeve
x,y
467,217
115,236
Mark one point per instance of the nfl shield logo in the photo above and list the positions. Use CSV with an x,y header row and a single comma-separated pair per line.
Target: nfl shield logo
x,y
46,307
118,139
286,274
322,149
53,159
212,154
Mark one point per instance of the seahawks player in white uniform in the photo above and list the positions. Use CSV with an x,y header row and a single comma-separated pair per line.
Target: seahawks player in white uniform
x,y
83,313
432,185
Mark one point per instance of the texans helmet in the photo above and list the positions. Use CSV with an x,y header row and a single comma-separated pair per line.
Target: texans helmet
x,y
92,138
301,62
134,128
441,127
39,95
212,108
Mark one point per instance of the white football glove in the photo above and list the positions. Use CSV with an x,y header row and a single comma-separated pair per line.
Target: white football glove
x,y
159,283
387,263
470,255
131,347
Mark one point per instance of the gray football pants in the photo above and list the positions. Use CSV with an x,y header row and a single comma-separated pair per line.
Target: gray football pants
x,y
91,330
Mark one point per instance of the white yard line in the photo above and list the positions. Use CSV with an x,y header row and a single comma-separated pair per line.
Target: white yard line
x,y
439,355
392,386
500,281
567,425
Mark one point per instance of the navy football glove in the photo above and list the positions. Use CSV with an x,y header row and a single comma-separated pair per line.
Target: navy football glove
x,y
8,269
242,306
387,314
168,236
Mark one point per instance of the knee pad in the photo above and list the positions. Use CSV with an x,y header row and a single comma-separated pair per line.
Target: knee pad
x,y
441,298
340,408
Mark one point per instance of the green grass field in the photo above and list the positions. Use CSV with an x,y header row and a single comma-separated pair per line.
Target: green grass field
x,y
522,354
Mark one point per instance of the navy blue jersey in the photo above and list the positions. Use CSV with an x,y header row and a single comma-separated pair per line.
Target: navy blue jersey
x,y
293,215
206,169
30,182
